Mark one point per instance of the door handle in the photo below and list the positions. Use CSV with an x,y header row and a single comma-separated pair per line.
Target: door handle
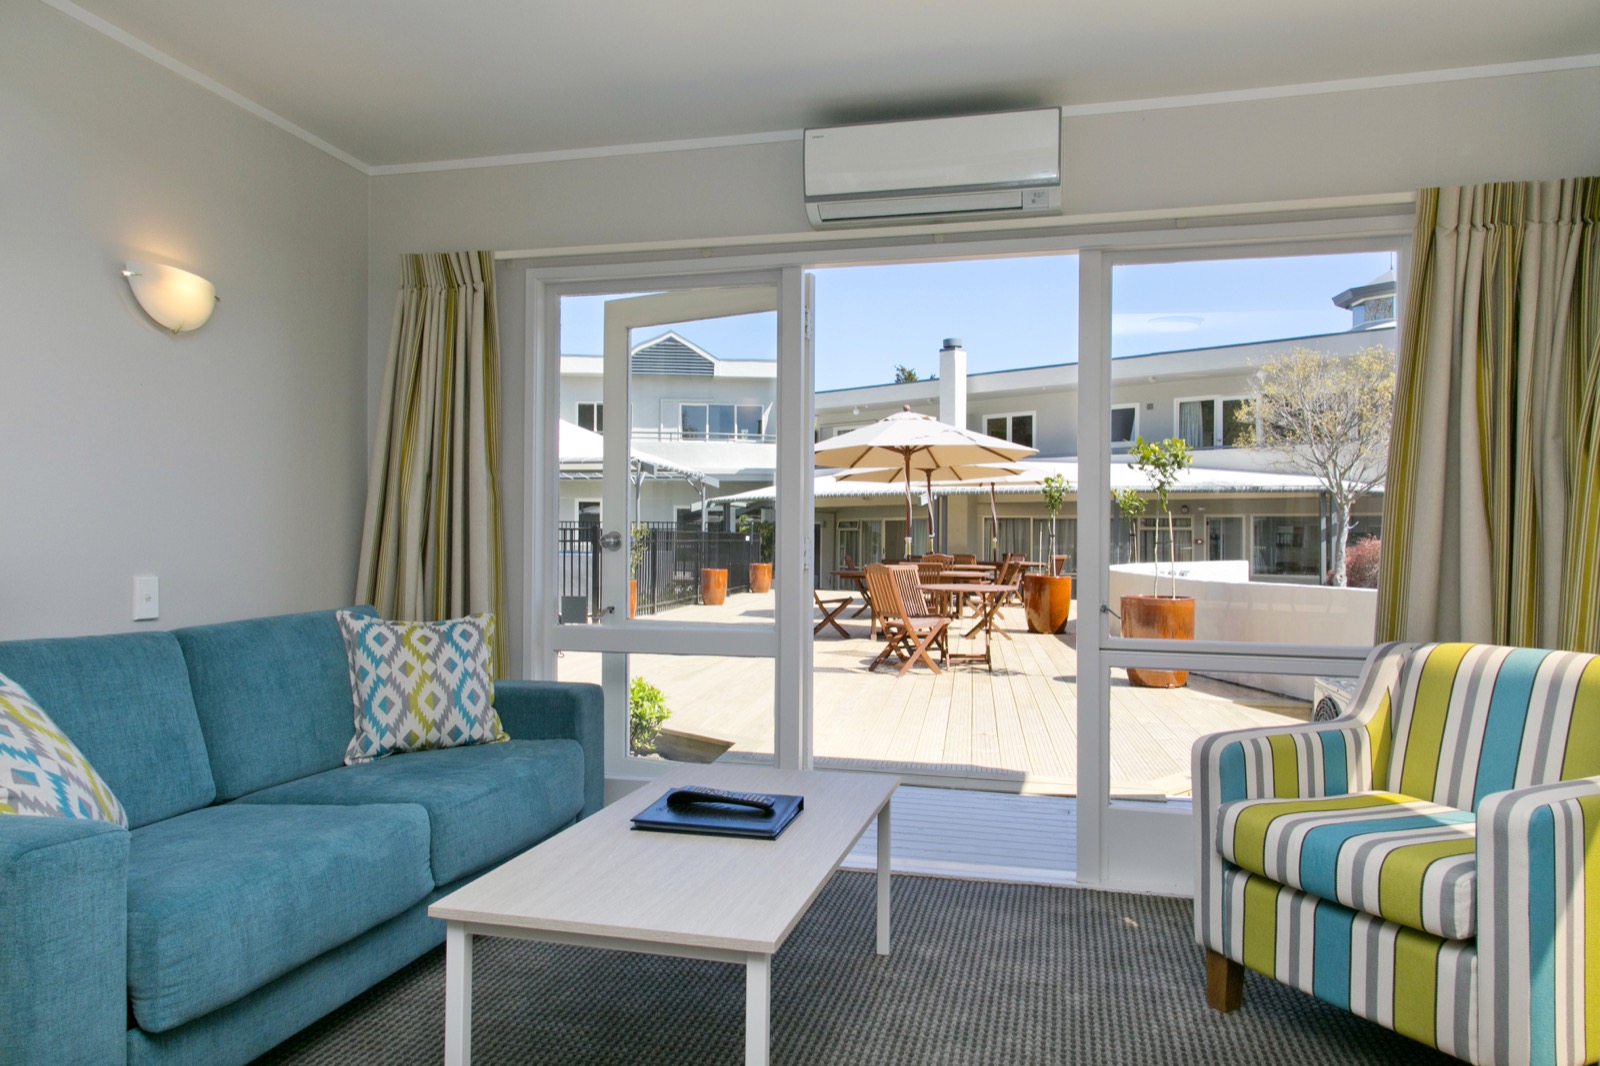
x,y
611,541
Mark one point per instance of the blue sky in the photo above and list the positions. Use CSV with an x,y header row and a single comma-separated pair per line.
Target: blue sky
x,y
1019,312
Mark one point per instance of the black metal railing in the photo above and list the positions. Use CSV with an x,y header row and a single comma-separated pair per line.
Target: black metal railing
x,y
668,573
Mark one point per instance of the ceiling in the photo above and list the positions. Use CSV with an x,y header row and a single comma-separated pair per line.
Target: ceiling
x,y
410,81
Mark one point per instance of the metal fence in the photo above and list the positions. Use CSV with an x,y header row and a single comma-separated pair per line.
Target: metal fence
x,y
668,573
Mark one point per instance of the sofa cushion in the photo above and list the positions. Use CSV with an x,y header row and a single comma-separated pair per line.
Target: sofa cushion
x,y
1404,859
124,700
485,803
41,771
223,900
273,696
416,686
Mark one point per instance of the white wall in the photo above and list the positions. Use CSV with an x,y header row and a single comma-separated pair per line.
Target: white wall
x,y
229,462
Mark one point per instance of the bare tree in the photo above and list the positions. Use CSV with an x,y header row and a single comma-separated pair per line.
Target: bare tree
x,y
1327,416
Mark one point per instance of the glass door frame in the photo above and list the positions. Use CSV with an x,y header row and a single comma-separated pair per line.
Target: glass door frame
x,y
1128,843
616,634
1119,845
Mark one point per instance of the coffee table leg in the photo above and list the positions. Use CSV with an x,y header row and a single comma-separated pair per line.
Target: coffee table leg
x,y
457,995
883,880
757,1009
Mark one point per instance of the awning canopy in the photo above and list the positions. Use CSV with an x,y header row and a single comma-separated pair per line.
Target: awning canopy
x,y
582,455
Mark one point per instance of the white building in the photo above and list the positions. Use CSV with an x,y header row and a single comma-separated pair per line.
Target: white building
x,y
713,414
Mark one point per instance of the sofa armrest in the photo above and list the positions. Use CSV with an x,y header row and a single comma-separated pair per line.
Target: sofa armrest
x,y
559,710
63,941
1538,913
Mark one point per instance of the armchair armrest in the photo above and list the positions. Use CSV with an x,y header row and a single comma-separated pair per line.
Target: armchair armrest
x,y
63,941
559,710
1297,761
1538,919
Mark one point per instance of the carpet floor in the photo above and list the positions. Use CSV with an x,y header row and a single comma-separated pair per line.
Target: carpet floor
x,y
980,973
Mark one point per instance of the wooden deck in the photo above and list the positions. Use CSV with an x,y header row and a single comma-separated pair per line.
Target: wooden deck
x,y
1012,729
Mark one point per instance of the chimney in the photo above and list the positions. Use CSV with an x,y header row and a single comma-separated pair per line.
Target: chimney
x,y
953,383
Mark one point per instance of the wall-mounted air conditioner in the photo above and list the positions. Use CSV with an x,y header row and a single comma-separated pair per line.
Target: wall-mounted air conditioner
x,y
972,166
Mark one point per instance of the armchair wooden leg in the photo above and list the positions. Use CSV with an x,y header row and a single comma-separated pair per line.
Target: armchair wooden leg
x,y
1224,982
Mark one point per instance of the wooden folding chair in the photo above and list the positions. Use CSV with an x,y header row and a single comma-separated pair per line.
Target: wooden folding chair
x,y
831,606
909,630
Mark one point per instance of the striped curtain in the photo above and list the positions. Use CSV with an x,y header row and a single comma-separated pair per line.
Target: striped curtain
x,y
1492,507
432,545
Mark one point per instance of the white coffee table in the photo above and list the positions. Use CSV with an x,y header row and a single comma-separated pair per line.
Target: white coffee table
x,y
603,884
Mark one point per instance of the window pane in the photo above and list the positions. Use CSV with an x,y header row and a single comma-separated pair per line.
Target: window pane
x,y
1153,727
1122,420
1287,546
1232,429
721,419
749,420
996,427
1192,422
692,420
1022,430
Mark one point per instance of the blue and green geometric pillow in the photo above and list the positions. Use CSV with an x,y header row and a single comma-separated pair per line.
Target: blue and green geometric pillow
x,y
42,772
420,685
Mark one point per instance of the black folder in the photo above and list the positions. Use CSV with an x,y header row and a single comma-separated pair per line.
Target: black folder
x,y
717,813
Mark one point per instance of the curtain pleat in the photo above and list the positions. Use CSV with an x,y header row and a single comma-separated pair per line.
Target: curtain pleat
x,y
433,543
1490,504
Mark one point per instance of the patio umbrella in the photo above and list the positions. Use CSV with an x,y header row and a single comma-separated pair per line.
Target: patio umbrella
x,y
914,443
942,475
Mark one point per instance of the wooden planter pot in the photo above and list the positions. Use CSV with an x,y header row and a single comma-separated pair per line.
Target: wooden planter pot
x,y
1158,618
713,586
1046,602
760,577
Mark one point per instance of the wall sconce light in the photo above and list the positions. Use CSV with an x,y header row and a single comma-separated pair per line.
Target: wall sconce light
x,y
1184,509
178,300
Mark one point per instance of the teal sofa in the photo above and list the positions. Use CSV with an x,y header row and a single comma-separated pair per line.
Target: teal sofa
x,y
261,882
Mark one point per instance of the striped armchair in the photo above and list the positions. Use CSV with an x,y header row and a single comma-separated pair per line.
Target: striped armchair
x,y
1430,860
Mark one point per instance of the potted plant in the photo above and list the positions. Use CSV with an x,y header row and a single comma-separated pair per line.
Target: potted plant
x,y
1169,617
647,709
638,547
763,532
1047,597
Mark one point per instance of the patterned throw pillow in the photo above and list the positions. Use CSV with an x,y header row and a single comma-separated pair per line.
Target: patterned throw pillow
x,y
420,685
41,771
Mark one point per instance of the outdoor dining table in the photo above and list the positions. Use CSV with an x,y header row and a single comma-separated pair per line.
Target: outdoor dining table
x,y
992,595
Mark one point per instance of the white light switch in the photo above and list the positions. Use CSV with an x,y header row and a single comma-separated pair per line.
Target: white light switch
x,y
146,598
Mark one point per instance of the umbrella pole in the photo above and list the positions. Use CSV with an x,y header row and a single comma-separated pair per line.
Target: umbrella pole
x,y
928,481
994,527
907,553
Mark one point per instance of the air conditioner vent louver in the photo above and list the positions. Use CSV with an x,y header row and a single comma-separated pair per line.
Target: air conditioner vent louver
x,y
973,166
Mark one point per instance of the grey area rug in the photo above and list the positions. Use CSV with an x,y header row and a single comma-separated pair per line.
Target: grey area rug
x,y
980,973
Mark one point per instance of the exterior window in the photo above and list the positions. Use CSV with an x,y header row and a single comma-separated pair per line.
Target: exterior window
x,y
590,417
1018,429
588,512
1286,546
719,421
692,421
1124,424
1210,423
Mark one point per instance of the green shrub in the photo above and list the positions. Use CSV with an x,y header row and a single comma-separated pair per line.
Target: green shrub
x,y
647,709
